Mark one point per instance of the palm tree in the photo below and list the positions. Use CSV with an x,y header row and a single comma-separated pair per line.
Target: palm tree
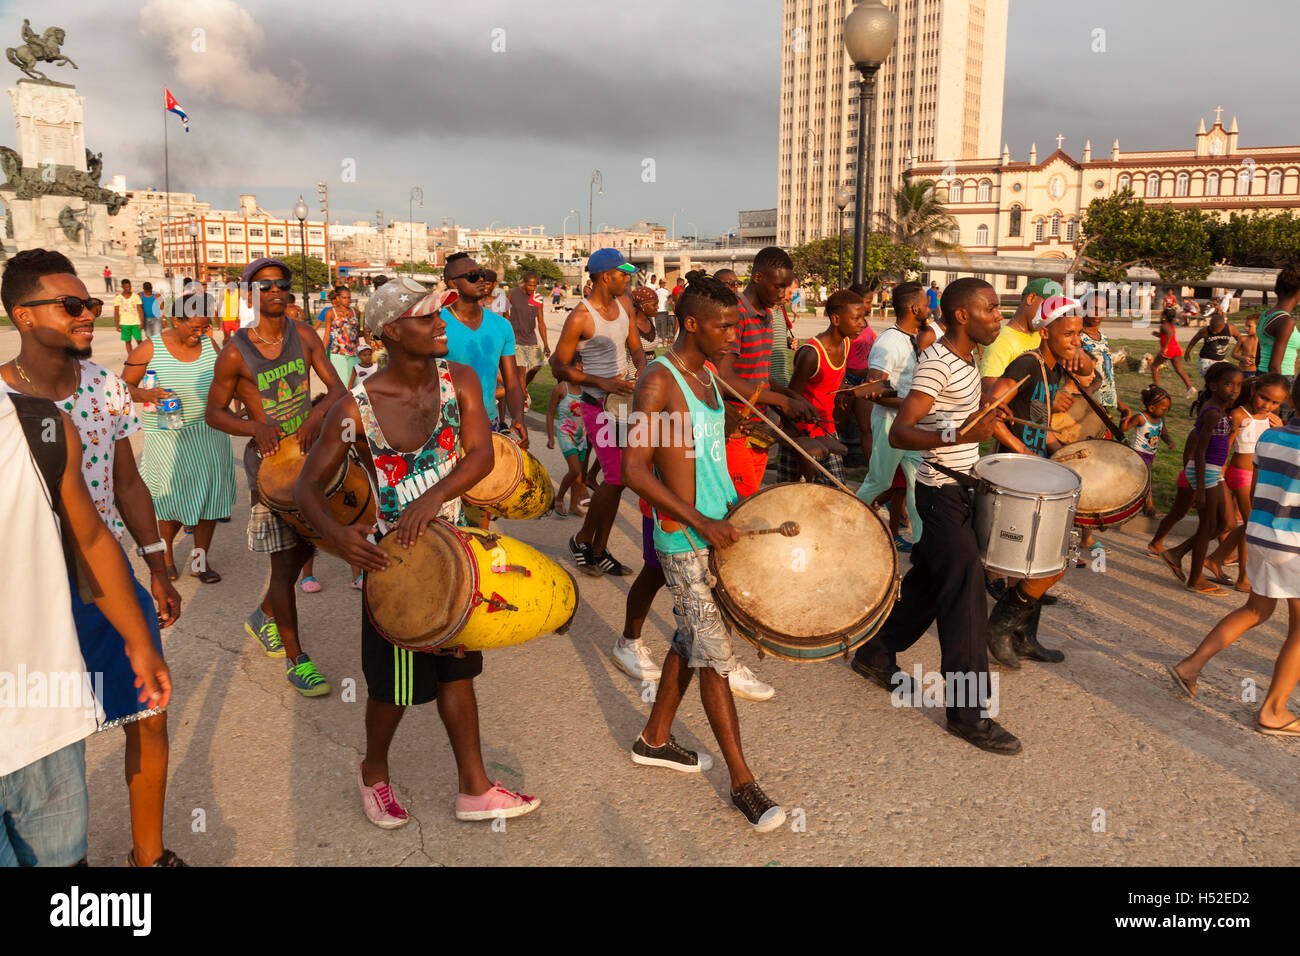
x,y
918,219
496,255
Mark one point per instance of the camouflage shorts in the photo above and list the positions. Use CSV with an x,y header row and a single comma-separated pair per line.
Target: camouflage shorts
x,y
702,635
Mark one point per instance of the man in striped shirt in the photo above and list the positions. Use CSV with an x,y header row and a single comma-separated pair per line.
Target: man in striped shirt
x,y
946,580
1273,567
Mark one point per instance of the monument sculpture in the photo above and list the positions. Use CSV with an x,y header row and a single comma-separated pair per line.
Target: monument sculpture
x,y
42,48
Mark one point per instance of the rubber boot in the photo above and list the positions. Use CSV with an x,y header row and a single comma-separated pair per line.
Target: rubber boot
x,y
1025,641
1009,615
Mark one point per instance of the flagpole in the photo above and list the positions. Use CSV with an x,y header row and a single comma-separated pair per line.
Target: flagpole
x,y
167,187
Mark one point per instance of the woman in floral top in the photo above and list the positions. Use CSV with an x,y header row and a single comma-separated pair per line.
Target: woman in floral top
x,y
345,332
1097,346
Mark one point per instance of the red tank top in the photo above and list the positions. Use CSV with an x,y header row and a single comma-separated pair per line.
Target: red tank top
x,y
820,390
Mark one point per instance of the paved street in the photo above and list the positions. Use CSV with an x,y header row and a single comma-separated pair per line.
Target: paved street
x,y
272,776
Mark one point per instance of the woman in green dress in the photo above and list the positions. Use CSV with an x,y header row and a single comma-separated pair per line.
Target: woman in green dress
x,y
190,470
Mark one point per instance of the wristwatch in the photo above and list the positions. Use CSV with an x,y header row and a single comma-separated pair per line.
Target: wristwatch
x,y
149,549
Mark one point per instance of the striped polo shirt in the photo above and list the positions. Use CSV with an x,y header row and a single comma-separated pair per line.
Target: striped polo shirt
x,y
1275,509
753,348
955,385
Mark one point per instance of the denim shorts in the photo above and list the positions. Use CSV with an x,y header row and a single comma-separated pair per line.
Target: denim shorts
x,y
45,810
702,635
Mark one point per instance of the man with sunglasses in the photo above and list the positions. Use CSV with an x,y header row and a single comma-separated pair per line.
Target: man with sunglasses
x,y
55,319
268,367
485,341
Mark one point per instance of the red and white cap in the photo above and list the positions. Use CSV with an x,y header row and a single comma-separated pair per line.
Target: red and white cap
x,y
1049,310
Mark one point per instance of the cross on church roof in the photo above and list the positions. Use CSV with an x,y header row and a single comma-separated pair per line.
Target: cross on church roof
x,y
1059,140
1218,115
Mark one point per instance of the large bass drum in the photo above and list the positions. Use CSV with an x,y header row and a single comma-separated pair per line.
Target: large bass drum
x,y
1115,479
815,596
1024,514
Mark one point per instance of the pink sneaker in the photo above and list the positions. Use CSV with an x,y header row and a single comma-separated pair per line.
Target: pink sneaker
x,y
381,806
497,802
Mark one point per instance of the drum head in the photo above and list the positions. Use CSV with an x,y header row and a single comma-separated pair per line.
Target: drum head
x,y
507,470
826,583
1113,475
1026,473
421,598
619,404
277,473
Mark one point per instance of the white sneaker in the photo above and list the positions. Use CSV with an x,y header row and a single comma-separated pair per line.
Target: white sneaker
x,y
746,685
634,660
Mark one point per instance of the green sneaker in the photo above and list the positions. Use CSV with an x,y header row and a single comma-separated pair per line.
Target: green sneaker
x,y
262,629
304,677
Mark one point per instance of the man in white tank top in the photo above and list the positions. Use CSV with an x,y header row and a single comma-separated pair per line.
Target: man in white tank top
x,y
601,328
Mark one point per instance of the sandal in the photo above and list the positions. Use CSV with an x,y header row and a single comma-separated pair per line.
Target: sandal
x,y
1286,730
207,577
357,581
310,585
559,512
1173,566
1209,588
1188,688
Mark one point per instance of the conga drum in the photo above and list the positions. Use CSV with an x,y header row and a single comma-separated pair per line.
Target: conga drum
x,y
1078,422
348,494
1115,480
466,588
517,487
618,405
814,596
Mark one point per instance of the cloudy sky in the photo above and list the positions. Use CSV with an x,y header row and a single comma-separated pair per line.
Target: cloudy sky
x,y
500,109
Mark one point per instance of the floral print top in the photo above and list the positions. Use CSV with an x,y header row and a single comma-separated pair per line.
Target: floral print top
x,y
1099,351
402,476
103,412
345,331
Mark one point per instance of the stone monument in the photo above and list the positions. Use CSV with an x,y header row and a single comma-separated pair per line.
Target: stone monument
x,y
51,191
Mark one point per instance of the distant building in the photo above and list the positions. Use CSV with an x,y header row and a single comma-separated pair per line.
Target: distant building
x,y
144,213
235,238
1033,209
938,97
757,227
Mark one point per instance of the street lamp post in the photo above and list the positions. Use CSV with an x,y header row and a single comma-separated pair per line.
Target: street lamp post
x,y
193,230
596,180
416,193
869,33
300,211
842,198
323,192
564,228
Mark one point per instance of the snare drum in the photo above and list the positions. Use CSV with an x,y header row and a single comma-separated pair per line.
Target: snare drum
x,y
466,588
348,494
818,595
1115,479
517,487
1024,514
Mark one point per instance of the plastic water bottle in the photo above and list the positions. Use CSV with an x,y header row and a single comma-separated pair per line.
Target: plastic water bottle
x,y
149,381
169,412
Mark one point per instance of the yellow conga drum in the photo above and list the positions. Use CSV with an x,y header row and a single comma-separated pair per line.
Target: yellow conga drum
x,y
467,588
517,487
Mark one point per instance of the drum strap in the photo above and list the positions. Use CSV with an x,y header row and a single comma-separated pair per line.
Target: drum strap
x,y
963,479
1115,433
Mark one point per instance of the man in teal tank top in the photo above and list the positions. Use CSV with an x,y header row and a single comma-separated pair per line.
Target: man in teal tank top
x,y
687,483
420,428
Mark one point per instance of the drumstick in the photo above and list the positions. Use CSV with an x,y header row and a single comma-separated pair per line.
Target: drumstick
x,y
783,436
1001,401
786,528
1021,421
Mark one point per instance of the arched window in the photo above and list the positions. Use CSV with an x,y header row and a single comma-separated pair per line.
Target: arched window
x,y
985,190
954,192
1070,226
1056,225
1274,182
1212,184
1038,229
1014,229
1183,184
1125,182
982,236
1245,180
1153,184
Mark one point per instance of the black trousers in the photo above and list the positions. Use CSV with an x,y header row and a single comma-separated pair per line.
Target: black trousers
x,y
945,583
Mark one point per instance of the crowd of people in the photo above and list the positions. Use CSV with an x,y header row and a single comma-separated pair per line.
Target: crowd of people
x,y
413,390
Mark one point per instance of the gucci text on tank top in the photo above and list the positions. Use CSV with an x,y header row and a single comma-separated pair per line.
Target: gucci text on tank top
x,y
402,476
283,382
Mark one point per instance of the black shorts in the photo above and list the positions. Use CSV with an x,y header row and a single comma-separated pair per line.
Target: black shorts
x,y
398,676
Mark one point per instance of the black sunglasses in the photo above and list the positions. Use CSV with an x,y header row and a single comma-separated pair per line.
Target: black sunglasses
x,y
266,285
474,275
71,304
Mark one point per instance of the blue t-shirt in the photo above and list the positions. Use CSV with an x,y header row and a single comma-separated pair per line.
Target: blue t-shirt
x,y
933,296
482,350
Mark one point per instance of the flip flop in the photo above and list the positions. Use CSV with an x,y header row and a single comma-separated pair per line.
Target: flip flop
x,y
1172,566
207,577
559,512
1188,689
1216,572
1287,730
1211,589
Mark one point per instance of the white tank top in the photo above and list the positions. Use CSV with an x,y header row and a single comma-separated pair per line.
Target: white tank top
x,y
1248,433
605,353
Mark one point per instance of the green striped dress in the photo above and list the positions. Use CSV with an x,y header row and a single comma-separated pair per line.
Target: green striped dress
x,y
190,471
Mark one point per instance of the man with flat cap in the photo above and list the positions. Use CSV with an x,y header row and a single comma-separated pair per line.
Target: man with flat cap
x,y
268,366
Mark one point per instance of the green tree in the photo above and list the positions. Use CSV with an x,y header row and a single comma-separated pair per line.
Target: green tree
x,y
420,268
817,261
1262,240
917,218
495,255
1120,231
317,272
547,271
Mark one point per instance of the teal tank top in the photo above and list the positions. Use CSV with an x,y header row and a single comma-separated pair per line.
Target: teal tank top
x,y
714,491
1266,344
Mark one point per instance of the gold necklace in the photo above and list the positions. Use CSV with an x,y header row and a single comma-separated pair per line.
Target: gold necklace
x,y
264,341
678,361
23,374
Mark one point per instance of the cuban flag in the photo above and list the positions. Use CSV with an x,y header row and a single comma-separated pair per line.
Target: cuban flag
x,y
170,104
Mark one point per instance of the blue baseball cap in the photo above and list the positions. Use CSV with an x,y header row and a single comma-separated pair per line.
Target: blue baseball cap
x,y
602,260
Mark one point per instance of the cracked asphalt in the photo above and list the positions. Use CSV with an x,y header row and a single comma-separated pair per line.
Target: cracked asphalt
x,y
1118,768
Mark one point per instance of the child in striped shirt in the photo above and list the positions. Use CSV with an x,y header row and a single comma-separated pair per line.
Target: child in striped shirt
x,y
1273,567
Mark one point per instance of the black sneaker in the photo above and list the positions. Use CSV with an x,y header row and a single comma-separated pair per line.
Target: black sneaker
x,y
759,809
584,558
987,735
168,858
670,755
609,564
